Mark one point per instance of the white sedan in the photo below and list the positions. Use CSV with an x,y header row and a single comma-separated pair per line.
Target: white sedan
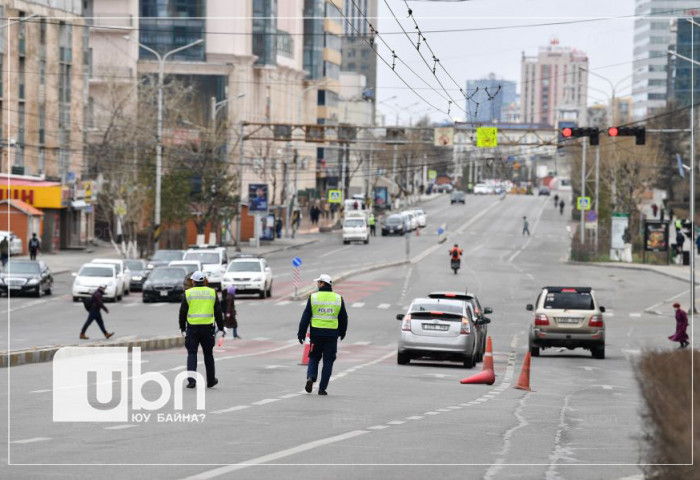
x,y
421,217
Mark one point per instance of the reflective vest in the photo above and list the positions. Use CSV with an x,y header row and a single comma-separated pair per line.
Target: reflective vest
x,y
200,302
371,220
325,308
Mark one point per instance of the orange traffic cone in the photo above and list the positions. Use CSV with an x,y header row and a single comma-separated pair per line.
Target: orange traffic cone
x,y
488,355
487,377
307,348
524,379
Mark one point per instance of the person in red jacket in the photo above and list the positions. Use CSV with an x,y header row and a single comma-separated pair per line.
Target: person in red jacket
x,y
681,326
456,253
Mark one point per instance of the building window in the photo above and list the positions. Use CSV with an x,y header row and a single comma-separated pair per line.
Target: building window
x,y
21,124
65,43
350,53
2,76
168,24
42,124
352,66
264,30
285,44
21,78
42,160
332,41
331,70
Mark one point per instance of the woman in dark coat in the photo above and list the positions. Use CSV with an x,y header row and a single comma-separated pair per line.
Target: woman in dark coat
x,y
230,310
681,327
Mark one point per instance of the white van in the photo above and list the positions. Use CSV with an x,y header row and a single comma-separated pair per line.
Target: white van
x,y
355,229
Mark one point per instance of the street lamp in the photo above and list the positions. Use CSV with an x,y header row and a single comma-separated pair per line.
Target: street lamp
x,y
23,19
159,146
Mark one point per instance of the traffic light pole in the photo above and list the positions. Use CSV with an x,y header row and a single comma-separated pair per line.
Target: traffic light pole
x,y
597,183
583,189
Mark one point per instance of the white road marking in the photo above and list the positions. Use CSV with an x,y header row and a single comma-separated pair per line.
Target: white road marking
x,y
684,292
131,304
415,417
283,303
266,401
273,367
335,251
383,306
232,409
635,315
41,391
260,339
590,369
431,413
154,305
291,395
604,387
357,305
182,367
530,276
276,456
534,228
32,440
378,427
33,303
362,343
609,314
396,422
120,427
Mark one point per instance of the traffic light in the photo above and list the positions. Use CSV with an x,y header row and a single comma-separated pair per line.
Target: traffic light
x,y
590,132
638,132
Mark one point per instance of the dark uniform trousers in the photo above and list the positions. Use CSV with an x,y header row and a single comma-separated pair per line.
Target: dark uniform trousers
x,y
326,348
195,336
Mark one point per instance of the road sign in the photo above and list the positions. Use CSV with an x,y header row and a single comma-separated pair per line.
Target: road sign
x,y
432,174
591,216
486,137
583,203
335,196
444,136
296,261
679,160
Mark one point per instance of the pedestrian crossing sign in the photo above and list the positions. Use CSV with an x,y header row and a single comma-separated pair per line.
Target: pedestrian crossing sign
x,y
335,196
432,174
583,203
486,137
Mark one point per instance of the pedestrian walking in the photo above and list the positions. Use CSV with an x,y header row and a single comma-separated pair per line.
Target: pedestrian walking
x,y
4,251
561,207
94,306
34,246
681,335
372,226
654,209
278,227
697,243
680,241
526,226
556,200
325,312
662,214
199,310
230,320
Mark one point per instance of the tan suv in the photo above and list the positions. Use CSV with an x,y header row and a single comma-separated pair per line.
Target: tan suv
x,y
567,317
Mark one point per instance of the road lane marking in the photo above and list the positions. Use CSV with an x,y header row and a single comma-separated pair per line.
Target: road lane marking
x,y
266,401
131,304
335,251
357,305
377,427
304,447
530,237
41,391
383,306
291,395
529,275
31,440
415,417
635,315
120,427
283,303
232,409
396,422
431,413
181,367
362,343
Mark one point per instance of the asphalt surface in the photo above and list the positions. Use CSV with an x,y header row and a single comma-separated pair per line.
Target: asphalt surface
x,y
380,419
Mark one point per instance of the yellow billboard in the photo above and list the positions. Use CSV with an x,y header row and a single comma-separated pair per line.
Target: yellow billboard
x,y
48,195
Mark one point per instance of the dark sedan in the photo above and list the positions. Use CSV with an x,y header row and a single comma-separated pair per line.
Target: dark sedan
x,y
163,257
165,283
393,225
26,276
139,274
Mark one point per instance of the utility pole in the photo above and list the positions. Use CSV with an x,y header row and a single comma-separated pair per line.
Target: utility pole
x,y
284,190
597,184
241,127
393,169
583,189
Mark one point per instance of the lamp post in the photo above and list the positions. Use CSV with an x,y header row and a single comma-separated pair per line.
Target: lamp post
x,y
159,145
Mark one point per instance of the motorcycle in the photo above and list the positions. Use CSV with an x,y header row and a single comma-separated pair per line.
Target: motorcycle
x,y
454,264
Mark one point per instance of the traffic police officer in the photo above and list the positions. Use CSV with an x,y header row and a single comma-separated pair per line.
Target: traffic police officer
x,y
199,310
325,311
372,227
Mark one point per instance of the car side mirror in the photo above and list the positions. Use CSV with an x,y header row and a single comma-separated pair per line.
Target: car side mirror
x,y
602,309
399,316
486,320
529,307
488,310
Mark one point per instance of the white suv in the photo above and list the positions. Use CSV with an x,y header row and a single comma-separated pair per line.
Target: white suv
x,y
91,276
123,272
567,317
213,259
249,274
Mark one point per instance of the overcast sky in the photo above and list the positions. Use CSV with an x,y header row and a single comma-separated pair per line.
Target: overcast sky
x,y
474,54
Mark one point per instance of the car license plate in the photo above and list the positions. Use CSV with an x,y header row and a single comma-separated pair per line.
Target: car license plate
x,y
568,320
15,287
432,326
163,293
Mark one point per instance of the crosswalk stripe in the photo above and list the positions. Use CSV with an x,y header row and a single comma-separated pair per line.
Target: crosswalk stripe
x,y
131,304
283,303
362,343
357,305
384,306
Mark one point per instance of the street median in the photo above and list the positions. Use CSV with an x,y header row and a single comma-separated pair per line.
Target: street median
x,y
45,354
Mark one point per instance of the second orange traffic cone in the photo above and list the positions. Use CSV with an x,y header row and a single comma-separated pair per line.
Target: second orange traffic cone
x,y
307,348
488,355
487,374
524,379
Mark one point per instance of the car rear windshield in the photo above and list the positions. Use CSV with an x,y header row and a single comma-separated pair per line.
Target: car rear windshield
x,y
394,220
354,222
134,264
167,255
203,257
569,301
175,273
190,267
96,272
244,267
22,267
437,307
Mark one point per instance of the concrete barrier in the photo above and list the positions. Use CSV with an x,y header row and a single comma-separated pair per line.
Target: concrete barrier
x,y
45,354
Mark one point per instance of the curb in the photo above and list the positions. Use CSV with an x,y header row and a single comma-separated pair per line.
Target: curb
x,y
621,267
305,292
45,354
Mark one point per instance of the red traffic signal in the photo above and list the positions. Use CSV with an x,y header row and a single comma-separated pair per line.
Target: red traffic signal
x,y
612,132
567,132
638,132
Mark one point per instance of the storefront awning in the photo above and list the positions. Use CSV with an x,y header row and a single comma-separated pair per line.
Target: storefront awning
x,y
77,204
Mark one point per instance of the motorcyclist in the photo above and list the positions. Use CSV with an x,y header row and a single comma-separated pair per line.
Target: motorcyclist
x,y
456,253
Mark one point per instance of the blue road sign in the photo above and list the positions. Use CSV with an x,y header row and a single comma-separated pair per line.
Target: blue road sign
x,y
440,231
296,261
680,165
591,216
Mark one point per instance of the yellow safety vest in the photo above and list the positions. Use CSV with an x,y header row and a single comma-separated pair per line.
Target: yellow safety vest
x,y
200,301
325,308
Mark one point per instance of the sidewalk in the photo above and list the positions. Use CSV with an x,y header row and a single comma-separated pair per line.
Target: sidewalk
x,y
678,272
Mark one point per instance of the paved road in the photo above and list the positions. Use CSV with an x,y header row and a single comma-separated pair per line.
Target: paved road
x,y
379,416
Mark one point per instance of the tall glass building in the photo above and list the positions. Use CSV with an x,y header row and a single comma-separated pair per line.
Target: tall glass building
x,y
494,110
165,25
681,75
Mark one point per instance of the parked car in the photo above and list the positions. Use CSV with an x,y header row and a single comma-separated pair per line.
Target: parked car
x,y
123,272
457,197
411,220
480,321
213,259
26,276
190,266
163,257
91,276
394,225
444,188
139,273
249,274
544,191
567,317
16,246
421,217
438,329
165,283
482,189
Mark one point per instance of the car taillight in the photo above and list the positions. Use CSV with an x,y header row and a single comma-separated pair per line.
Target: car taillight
x,y
596,321
406,325
466,328
541,320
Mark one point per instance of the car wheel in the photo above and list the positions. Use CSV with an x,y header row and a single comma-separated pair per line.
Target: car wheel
x,y
127,292
598,352
403,358
49,290
262,293
146,300
366,241
345,242
469,361
269,290
39,292
534,351
76,299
